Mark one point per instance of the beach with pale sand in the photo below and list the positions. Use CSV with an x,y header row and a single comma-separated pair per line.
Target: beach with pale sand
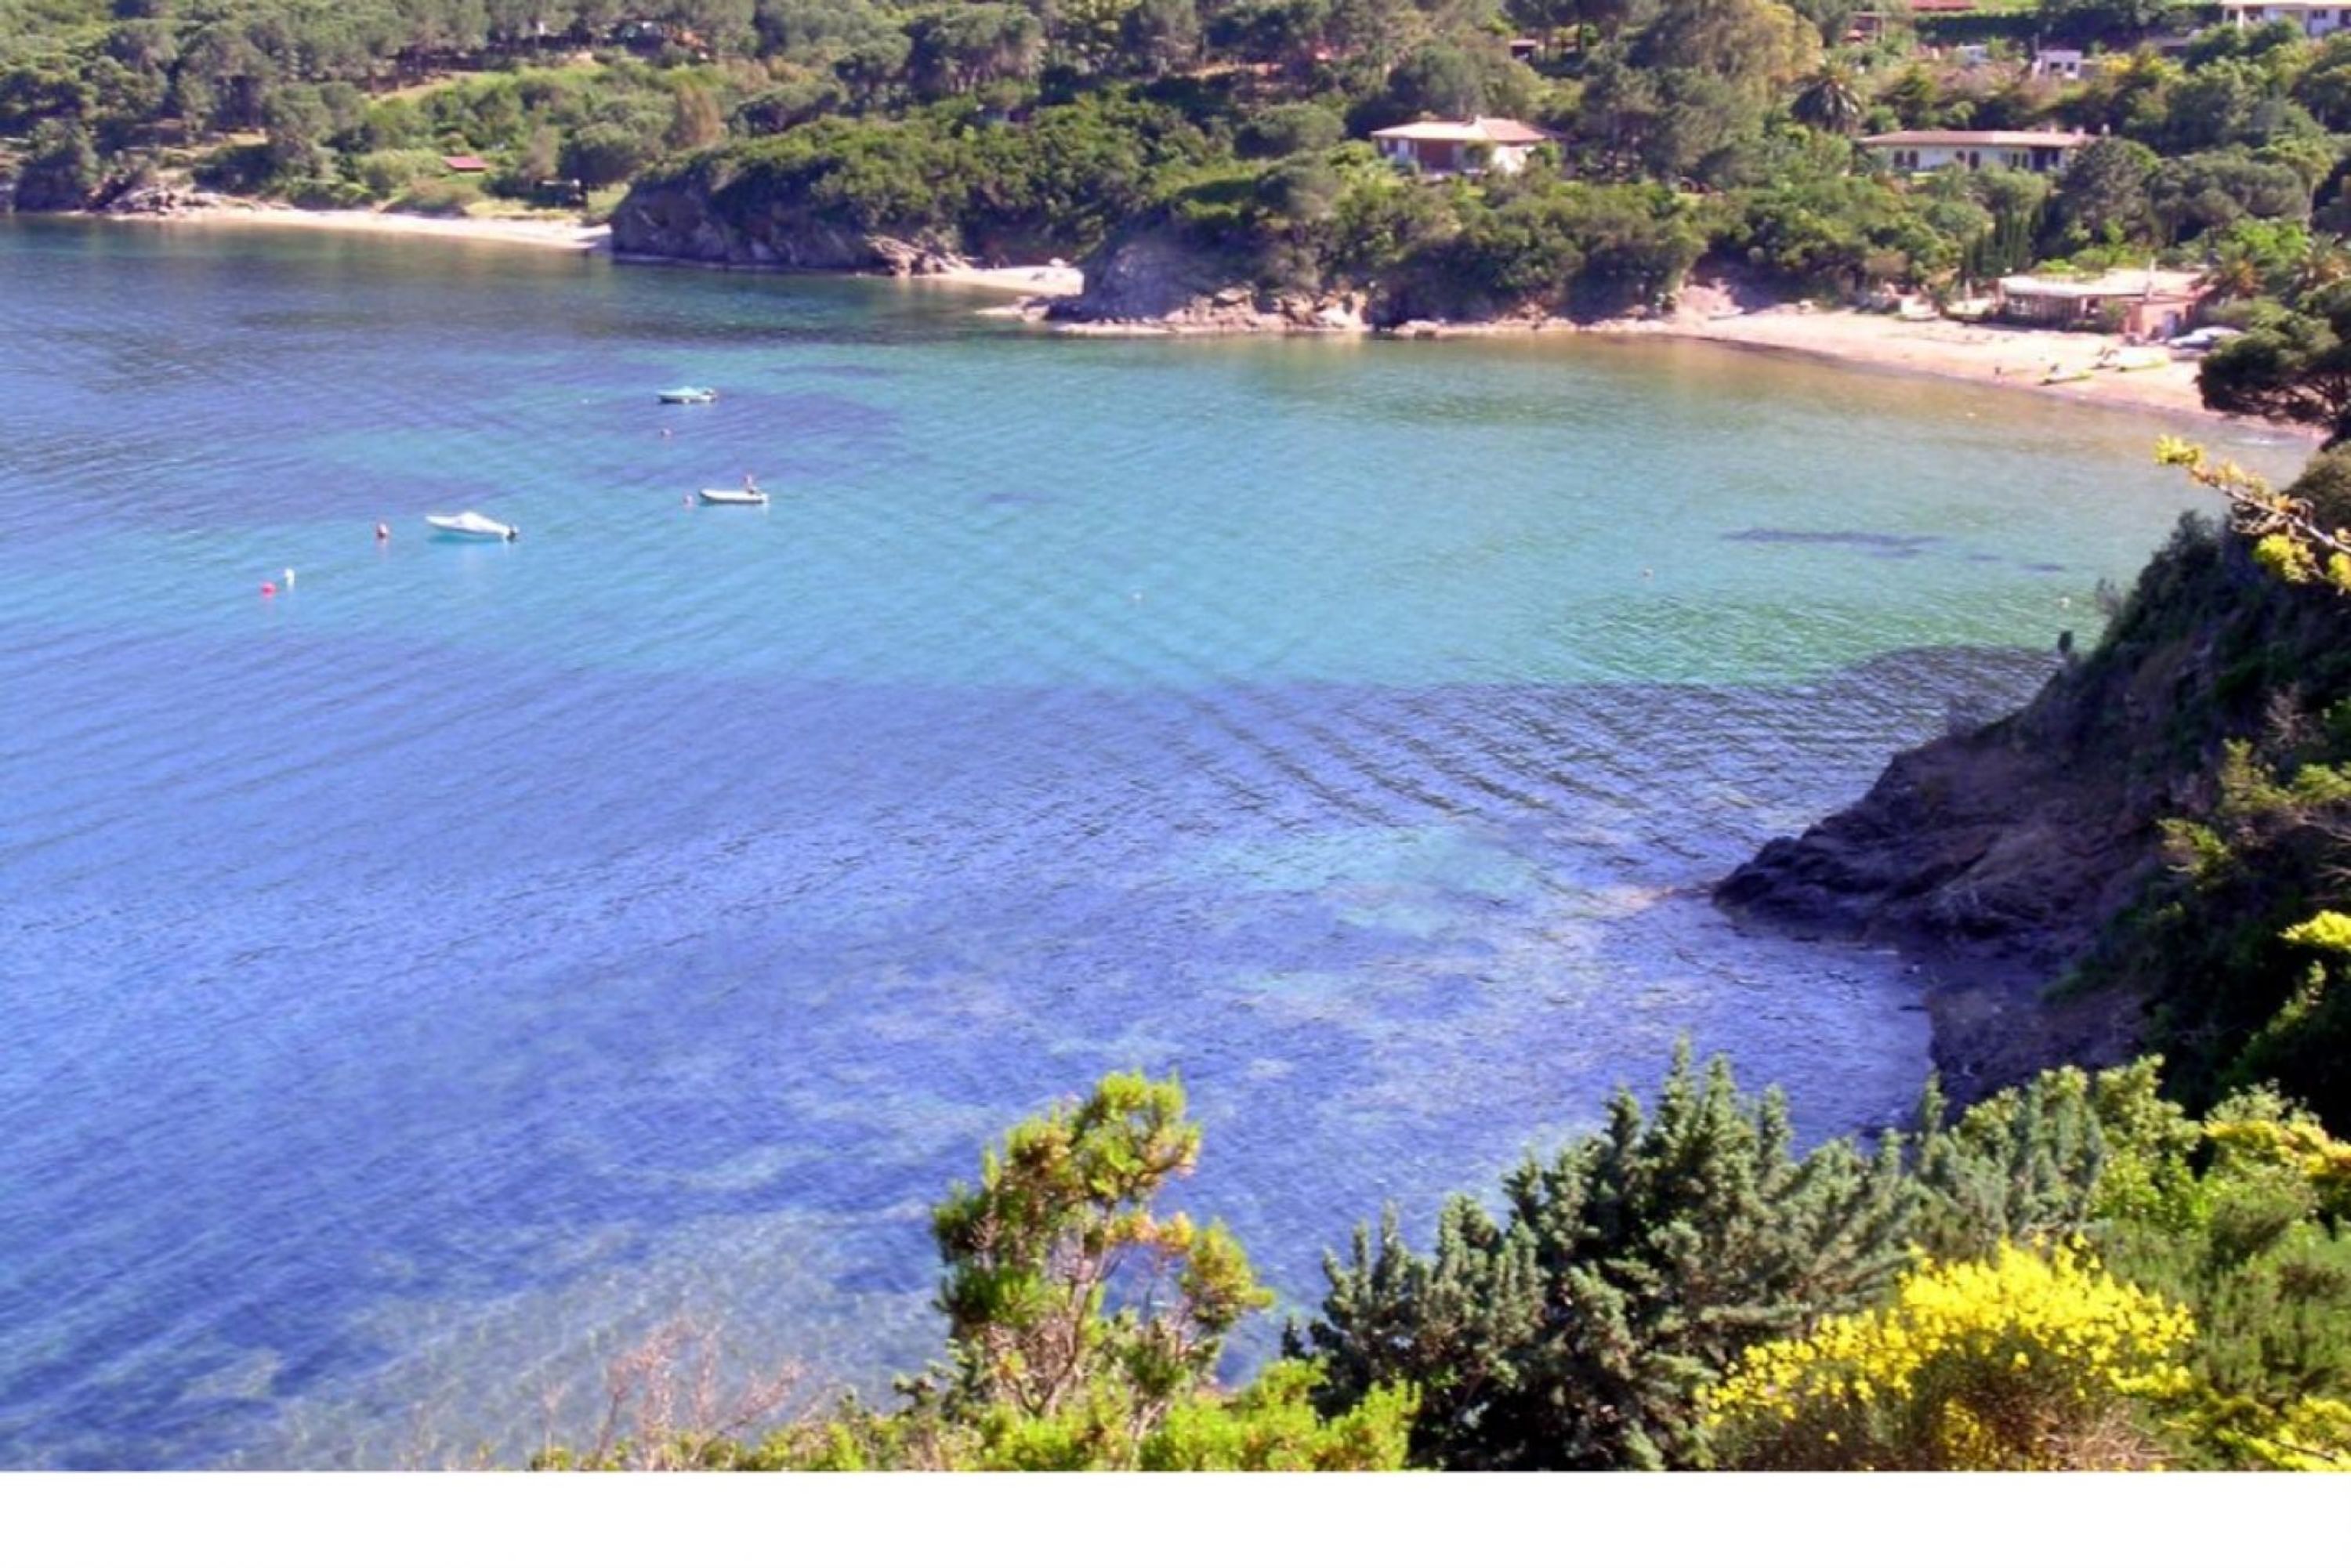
x,y
2016,357
546,234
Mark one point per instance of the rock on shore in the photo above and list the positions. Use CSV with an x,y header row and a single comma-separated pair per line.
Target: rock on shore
x,y
2001,859
1149,279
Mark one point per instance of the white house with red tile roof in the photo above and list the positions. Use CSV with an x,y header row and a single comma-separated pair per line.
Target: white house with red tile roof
x,y
1460,146
1915,152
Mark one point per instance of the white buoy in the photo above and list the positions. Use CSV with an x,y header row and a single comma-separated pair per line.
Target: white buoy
x,y
289,577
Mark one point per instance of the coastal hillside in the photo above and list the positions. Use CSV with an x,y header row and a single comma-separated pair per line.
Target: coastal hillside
x,y
2133,862
1215,162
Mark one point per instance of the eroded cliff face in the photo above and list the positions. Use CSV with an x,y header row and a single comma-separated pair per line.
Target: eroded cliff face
x,y
2005,858
681,218
1149,277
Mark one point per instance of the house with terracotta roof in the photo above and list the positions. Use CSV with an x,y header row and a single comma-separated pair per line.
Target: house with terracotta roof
x,y
1464,147
1916,151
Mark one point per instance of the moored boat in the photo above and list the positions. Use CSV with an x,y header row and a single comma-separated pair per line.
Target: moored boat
x,y
689,395
472,526
733,497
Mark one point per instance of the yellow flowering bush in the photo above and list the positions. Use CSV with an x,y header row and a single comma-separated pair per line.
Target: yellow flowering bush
x,y
2296,1144
2027,1360
2309,1435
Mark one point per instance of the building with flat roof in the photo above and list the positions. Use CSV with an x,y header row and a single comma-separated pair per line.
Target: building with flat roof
x,y
1916,151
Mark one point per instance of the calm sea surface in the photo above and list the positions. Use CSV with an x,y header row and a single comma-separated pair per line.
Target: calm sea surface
x,y
416,983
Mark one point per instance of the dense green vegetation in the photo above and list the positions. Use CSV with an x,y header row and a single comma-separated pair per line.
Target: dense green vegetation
x,y
2071,1275
1686,126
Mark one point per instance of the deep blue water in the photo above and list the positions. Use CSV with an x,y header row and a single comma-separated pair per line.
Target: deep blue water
x,y
414,984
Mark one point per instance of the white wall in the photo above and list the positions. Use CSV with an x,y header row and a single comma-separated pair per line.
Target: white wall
x,y
2316,22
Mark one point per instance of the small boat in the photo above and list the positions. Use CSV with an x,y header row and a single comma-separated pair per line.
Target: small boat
x,y
472,526
689,395
733,497
2059,378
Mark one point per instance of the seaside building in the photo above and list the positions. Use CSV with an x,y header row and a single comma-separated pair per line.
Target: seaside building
x,y
2058,65
2316,19
1437,148
2150,304
1916,151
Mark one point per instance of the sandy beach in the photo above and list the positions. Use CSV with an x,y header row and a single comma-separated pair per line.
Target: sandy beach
x,y
546,234
2013,357
1057,280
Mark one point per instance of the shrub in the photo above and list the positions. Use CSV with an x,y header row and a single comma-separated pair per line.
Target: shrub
x,y
1575,1332
2028,1361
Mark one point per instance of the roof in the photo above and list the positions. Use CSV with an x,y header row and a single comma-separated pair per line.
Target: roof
x,y
2279,4
2107,285
465,165
1508,132
1942,8
2050,139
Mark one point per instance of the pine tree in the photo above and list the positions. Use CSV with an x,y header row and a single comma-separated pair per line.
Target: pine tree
x,y
1624,1275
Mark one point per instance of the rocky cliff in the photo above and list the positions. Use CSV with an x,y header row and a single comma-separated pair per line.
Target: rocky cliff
x,y
681,217
1150,277
2012,856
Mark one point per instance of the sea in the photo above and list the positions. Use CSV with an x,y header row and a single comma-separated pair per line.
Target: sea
x,y
427,968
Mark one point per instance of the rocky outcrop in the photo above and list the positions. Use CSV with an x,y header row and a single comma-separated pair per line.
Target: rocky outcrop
x,y
1151,278
162,201
680,218
2001,859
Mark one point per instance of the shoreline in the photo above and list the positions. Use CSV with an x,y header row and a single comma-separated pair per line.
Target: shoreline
x,y
2013,358
2009,357
540,233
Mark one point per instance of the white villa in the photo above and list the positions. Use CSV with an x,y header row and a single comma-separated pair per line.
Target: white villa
x,y
1436,146
2315,19
2061,65
1915,152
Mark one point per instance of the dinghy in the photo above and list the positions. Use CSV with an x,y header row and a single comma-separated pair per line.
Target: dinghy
x,y
733,497
472,526
689,395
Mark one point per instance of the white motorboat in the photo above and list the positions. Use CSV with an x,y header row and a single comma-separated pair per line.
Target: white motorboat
x,y
472,526
689,395
733,497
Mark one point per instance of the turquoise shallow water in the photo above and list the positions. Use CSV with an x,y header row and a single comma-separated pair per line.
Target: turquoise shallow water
x,y
417,982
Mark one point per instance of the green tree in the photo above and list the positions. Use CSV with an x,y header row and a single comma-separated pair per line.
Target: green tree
x,y
2297,370
1575,1330
1058,1274
1831,98
2102,197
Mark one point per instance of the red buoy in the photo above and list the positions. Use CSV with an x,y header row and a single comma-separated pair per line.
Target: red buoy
x,y
268,591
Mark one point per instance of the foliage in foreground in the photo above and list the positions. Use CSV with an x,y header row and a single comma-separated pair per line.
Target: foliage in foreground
x,y
1577,1331
1083,1330
2074,1273
1585,1329
2024,1362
